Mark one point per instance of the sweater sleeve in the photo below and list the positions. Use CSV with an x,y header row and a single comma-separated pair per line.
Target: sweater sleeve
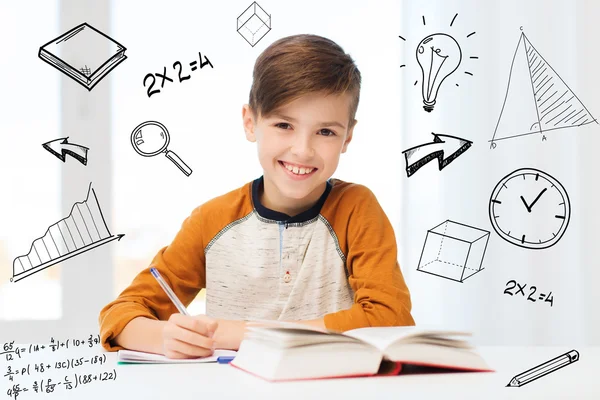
x,y
181,264
381,297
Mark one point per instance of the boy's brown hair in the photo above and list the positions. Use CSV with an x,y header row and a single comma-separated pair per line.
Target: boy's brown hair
x,y
298,65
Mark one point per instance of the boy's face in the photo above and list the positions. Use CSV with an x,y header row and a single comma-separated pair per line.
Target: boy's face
x,y
299,147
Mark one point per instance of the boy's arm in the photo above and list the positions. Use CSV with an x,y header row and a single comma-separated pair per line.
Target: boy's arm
x,y
182,265
381,297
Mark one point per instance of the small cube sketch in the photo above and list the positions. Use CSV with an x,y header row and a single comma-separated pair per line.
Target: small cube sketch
x,y
253,24
453,251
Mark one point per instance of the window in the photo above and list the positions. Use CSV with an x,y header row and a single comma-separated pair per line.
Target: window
x,y
30,177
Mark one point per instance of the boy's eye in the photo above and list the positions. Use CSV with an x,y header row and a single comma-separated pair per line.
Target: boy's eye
x,y
330,133
286,126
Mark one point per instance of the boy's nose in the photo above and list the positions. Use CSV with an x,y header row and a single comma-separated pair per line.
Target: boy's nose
x,y
303,147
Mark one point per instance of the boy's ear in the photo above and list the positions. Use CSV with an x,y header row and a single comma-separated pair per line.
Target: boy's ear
x,y
349,136
248,122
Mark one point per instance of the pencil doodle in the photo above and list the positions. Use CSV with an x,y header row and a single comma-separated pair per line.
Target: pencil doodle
x,y
445,148
82,230
454,251
253,24
151,138
514,217
510,285
537,99
544,368
164,77
79,54
60,148
438,55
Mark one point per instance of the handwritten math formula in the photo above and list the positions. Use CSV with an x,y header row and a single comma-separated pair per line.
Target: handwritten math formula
x,y
152,79
54,366
520,289
10,350
48,386
69,363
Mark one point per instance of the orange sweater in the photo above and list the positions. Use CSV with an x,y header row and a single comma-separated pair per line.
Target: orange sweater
x,y
336,261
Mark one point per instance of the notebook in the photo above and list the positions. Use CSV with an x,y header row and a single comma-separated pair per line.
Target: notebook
x,y
139,357
84,54
286,351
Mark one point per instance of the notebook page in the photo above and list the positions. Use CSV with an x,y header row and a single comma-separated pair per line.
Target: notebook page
x,y
139,357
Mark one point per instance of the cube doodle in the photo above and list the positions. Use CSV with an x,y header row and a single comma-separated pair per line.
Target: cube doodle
x,y
454,251
254,23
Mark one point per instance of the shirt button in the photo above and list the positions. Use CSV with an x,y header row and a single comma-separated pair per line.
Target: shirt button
x,y
287,277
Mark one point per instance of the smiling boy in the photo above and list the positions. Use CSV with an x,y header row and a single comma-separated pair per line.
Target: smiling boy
x,y
293,245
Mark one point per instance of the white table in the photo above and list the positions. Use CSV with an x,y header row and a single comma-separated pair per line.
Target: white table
x,y
580,380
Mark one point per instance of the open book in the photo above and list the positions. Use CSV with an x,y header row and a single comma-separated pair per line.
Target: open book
x,y
286,351
139,357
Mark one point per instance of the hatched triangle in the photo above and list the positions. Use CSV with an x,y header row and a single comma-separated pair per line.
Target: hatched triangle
x,y
537,99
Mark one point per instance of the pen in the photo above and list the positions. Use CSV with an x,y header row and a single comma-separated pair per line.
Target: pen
x,y
169,291
225,359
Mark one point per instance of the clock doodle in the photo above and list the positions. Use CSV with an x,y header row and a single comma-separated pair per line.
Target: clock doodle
x,y
530,209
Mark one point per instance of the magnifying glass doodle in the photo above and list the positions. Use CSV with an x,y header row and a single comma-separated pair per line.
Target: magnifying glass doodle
x,y
151,138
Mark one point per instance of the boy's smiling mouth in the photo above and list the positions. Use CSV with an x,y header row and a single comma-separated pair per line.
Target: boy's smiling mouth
x,y
297,170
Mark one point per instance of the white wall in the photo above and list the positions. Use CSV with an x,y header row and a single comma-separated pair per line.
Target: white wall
x,y
562,32
149,197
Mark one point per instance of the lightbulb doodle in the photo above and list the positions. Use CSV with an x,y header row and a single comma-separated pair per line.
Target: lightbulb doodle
x,y
537,99
439,56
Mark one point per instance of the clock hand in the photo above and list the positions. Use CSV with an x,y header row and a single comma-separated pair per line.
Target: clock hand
x,y
526,206
537,198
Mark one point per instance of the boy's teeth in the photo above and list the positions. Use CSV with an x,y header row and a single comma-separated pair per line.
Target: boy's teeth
x,y
298,171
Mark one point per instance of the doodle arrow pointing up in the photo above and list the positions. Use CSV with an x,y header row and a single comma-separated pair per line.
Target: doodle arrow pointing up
x,y
61,147
445,148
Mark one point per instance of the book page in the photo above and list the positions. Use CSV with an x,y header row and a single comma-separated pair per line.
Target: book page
x,y
383,337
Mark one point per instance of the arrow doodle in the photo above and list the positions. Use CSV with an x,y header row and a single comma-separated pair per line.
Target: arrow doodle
x,y
61,147
443,145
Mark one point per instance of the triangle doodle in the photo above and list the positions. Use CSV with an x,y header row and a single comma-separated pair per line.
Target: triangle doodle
x,y
537,99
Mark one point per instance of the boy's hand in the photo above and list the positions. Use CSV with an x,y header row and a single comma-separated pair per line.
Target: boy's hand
x,y
187,336
229,334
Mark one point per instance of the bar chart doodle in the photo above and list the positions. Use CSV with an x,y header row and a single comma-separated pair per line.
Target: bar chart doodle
x,y
60,148
253,24
80,54
82,230
537,99
544,369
